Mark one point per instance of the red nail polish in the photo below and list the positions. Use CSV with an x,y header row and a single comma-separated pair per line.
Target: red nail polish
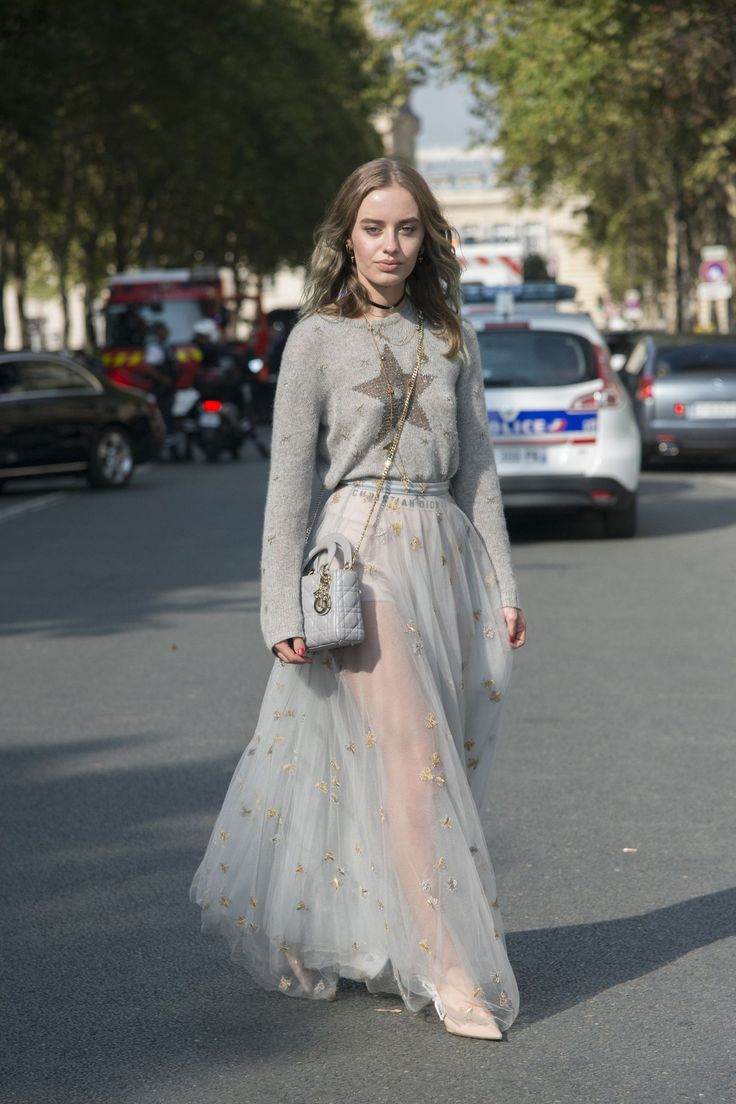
x,y
300,651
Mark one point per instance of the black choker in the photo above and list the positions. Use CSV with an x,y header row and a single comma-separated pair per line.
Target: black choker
x,y
389,306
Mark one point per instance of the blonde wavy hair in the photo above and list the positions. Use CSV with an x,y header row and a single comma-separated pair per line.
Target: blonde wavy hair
x,y
332,285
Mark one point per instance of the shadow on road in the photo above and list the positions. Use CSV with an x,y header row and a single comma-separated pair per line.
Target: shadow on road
x,y
141,557
657,519
705,464
666,508
106,965
147,477
558,968
146,558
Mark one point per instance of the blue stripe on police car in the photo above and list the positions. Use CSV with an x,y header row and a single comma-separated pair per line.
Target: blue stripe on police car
x,y
538,423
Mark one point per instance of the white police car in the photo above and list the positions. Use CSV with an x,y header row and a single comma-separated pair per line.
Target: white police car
x,y
563,428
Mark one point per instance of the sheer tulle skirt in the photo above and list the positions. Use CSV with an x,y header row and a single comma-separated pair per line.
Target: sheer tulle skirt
x,y
349,843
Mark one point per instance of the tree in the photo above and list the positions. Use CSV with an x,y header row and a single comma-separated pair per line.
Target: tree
x,y
154,133
627,102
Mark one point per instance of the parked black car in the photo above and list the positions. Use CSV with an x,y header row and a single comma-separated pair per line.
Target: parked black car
x,y
684,390
58,418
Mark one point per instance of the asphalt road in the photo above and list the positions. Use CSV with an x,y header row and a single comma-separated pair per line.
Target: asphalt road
x,y
132,669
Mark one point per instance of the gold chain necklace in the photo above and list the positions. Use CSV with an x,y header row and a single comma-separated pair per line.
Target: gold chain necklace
x,y
386,324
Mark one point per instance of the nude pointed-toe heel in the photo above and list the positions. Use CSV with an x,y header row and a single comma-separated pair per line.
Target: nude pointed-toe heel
x,y
477,1020
489,1031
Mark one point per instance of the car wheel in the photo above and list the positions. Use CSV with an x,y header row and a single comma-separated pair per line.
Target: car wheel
x,y
111,460
621,522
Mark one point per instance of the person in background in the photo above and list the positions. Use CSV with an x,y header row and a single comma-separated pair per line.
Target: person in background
x,y
263,382
206,338
89,359
163,371
276,343
218,376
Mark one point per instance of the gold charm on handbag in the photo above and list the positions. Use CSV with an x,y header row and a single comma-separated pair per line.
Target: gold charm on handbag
x,y
322,600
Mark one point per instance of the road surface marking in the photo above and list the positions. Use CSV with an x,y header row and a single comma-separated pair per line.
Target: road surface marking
x,y
722,481
11,512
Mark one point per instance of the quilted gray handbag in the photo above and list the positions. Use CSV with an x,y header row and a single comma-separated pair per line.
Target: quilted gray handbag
x,y
331,608
333,616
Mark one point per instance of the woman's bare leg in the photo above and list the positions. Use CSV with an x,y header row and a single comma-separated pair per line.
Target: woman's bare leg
x,y
381,677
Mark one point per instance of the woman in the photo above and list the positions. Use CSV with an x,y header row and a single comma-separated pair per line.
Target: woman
x,y
349,843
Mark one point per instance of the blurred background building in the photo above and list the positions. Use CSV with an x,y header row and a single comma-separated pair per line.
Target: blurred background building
x,y
481,210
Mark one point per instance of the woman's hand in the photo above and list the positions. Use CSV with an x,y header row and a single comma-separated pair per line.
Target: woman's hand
x,y
516,625
291,651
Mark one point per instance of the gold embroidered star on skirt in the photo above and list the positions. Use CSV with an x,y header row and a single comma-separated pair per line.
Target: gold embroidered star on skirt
x,y
392,375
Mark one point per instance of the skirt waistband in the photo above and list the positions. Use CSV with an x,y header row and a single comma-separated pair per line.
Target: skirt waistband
x,y
398,487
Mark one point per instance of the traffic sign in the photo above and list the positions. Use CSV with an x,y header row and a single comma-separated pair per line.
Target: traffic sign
x,y
714,272
714,291
714,253
632,304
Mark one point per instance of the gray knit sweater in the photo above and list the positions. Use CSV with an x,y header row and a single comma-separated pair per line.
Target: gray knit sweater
x,y
331,407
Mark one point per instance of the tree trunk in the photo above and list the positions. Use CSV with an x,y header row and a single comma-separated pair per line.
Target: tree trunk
x,y
90,273
123,221
19,281
62,275
729,188
671,309
3,277
145,248
121,249
61,247
684,274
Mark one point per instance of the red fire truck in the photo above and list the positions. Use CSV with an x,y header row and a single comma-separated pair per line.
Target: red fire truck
x,y
178,297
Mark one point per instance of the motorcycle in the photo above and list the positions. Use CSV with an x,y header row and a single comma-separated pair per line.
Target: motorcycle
x,y
218,429
223,421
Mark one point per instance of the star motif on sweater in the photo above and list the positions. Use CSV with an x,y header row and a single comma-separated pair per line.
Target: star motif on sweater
x,y
376,388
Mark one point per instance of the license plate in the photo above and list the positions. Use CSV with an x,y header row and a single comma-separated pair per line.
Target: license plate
x,y
209,420
532,456
712,410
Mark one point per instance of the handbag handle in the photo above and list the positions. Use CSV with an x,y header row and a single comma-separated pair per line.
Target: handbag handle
x,y
331,544
391,452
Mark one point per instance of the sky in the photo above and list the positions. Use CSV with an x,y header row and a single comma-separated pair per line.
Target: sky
x,y
442,108
444,114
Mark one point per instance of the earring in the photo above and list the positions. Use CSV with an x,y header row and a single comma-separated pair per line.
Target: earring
x,y
420,255
350,252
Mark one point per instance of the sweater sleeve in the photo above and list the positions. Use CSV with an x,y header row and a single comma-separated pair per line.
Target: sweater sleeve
x,y
475,485
296,420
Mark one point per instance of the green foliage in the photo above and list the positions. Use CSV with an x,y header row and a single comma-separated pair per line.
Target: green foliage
x,y
630,103
159,133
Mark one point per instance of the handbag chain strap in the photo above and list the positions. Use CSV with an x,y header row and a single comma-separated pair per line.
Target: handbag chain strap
x,y
392,449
